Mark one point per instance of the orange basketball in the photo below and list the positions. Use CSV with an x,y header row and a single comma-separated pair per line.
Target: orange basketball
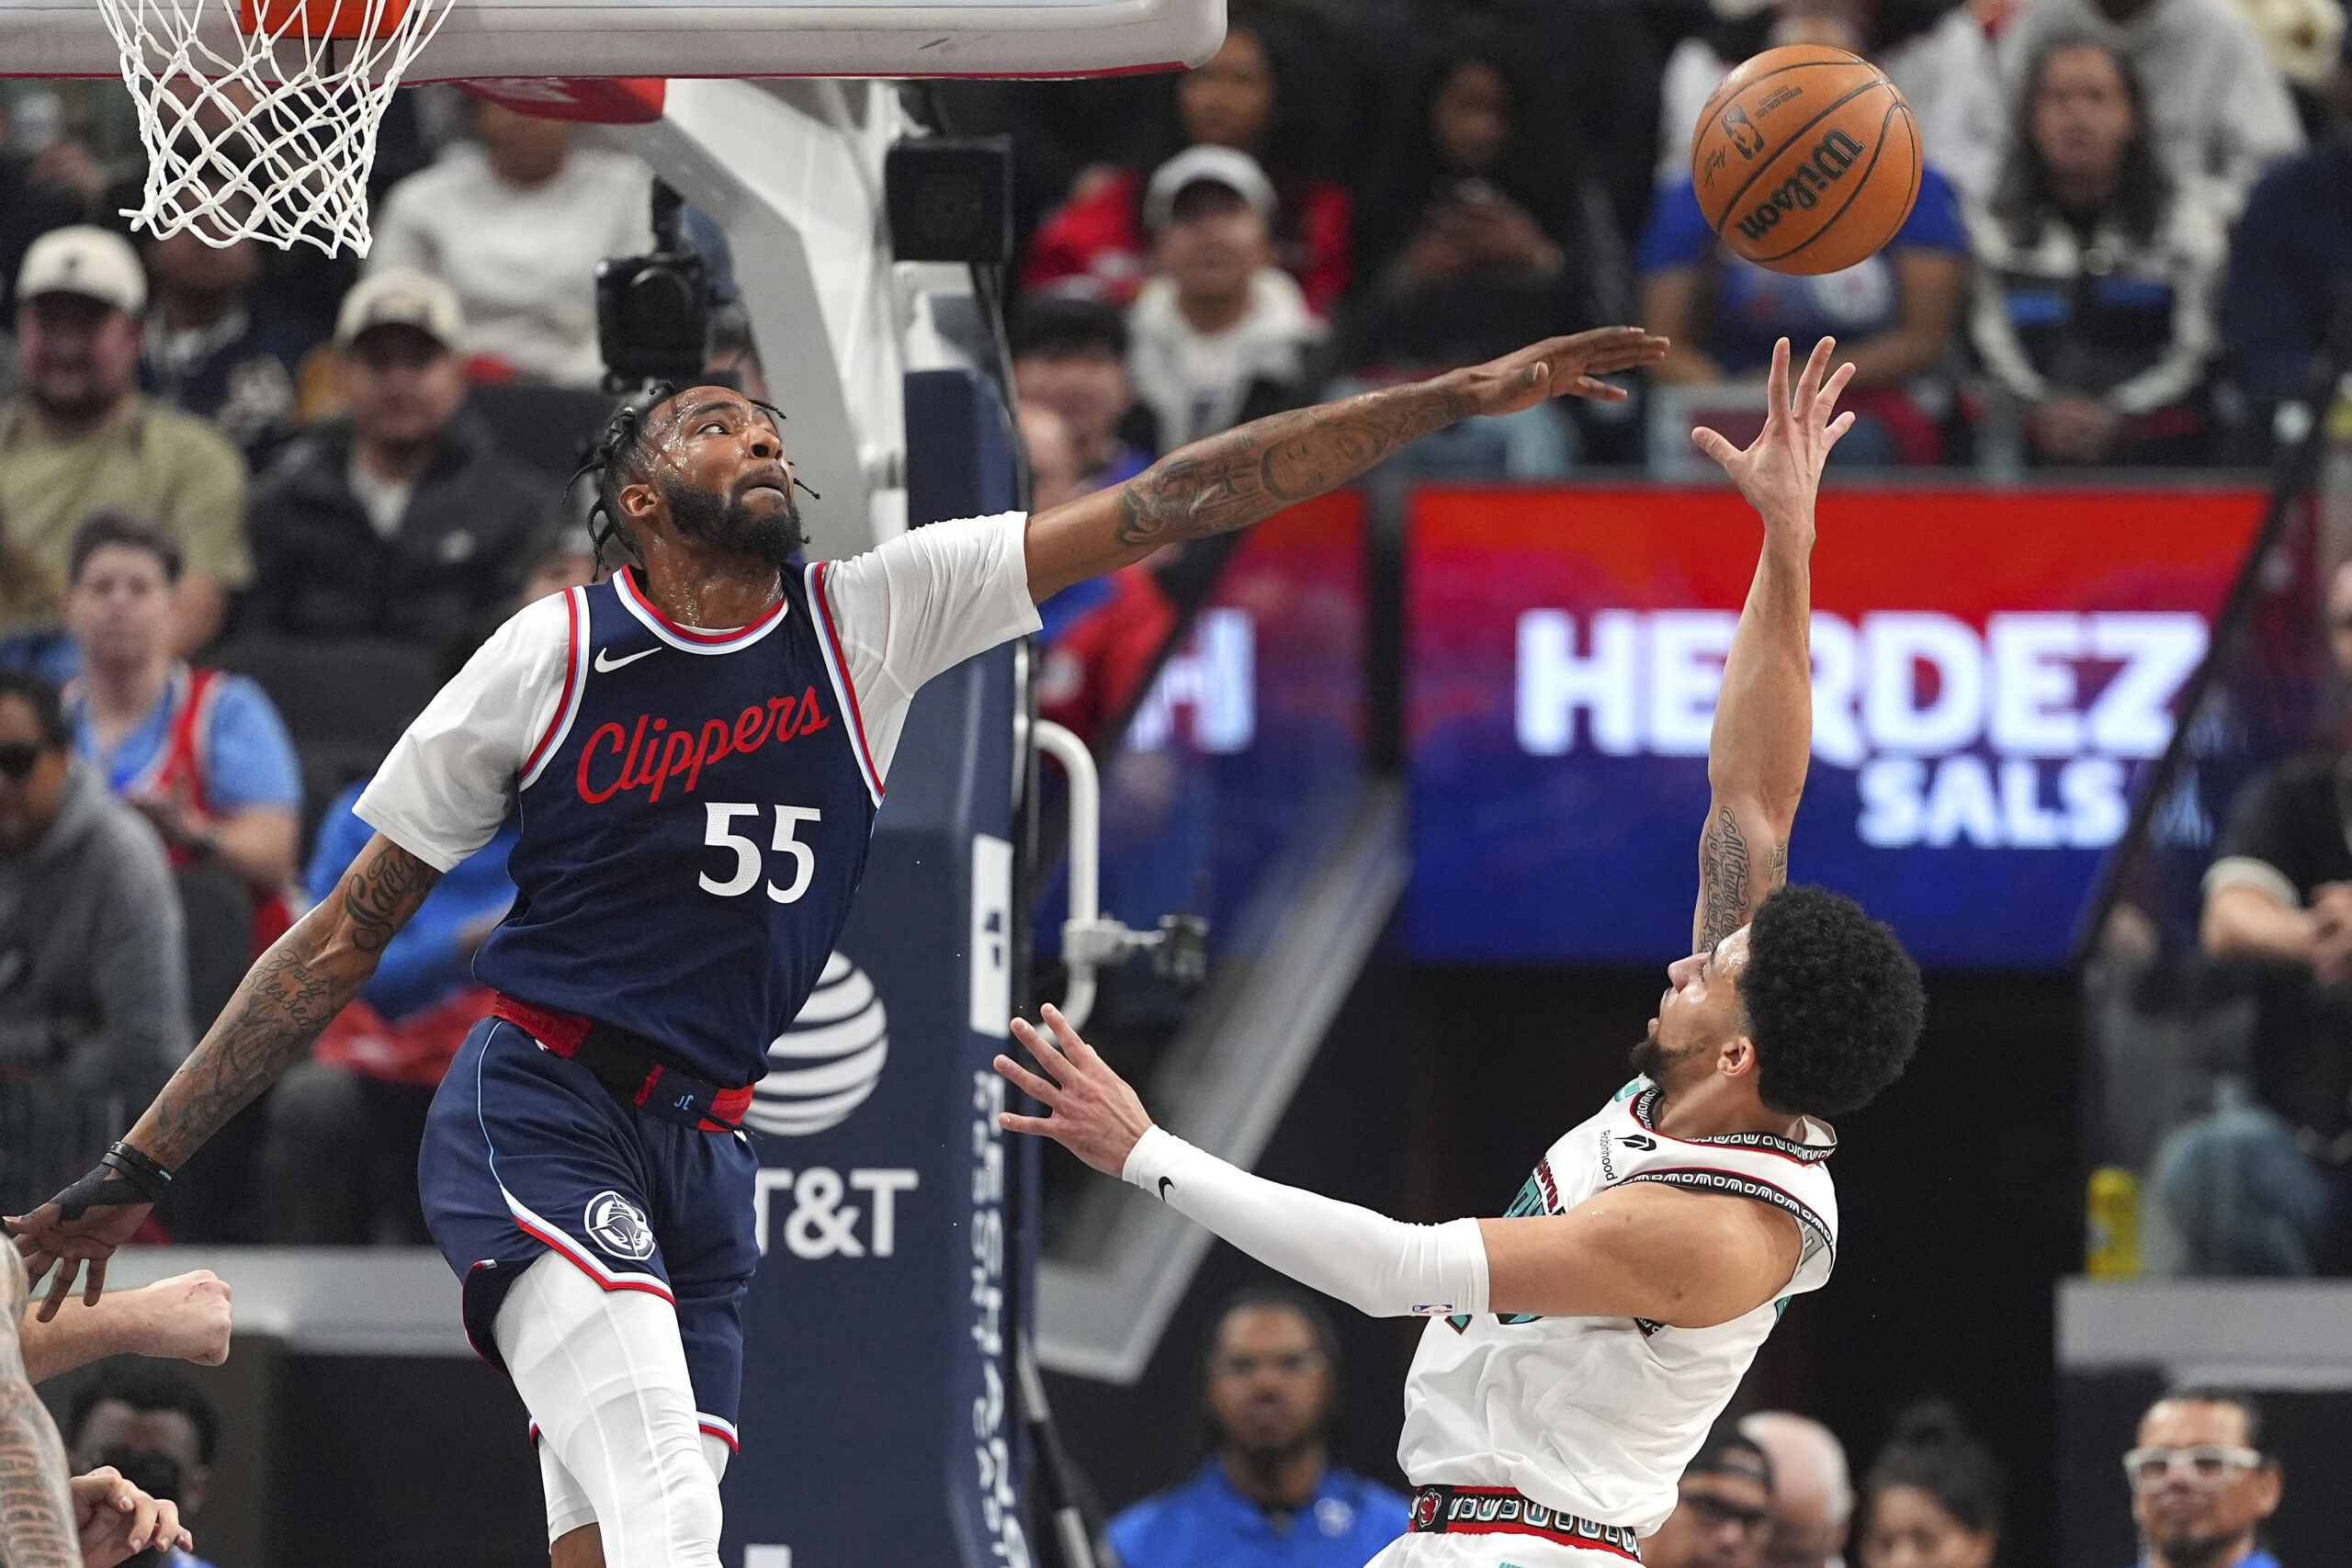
x,y
1807,159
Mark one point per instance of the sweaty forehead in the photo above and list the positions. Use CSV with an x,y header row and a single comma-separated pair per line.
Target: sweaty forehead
x,y
679,408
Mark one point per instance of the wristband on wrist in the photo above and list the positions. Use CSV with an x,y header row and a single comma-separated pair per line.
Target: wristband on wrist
x,y
134,1166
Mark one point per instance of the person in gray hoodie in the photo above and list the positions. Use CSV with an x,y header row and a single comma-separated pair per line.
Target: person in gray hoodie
x,y
93,975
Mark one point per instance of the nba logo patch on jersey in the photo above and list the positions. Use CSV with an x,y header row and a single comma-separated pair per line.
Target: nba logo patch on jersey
x,y
617,1224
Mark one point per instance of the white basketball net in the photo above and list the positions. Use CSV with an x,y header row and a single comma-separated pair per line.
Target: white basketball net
x,y
268,134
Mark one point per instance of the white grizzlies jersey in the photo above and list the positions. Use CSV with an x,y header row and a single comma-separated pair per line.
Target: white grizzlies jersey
x,y
1596,1417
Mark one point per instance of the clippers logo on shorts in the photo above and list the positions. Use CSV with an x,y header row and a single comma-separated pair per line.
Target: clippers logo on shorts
x,y
615,1224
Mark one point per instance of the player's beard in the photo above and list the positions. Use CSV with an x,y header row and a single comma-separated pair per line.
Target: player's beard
x,y
724,522
1651,1058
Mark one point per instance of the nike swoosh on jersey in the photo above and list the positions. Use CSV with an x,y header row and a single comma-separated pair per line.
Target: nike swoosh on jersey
x,y
608,665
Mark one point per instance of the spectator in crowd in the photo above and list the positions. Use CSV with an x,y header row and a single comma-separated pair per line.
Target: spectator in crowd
x,y
32,635
1255,95
1813,1494
200,752
2291,262
33,202
516,223
82,436
2202,1483
2263,1184
2096,272
1270,1492
1070,356
214,347
2219,108
1489,224
1950,75
155,1426
1054,475
1489,230
1604,57
1933,1497
94,1003
1725,1513
1893,316
1220,335
402,520
339,1158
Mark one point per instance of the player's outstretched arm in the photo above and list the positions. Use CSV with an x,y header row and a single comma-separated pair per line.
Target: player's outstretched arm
x,y
1763,733
1379,1265
1642,1249
1248,474
37,1518
185,1319
292,993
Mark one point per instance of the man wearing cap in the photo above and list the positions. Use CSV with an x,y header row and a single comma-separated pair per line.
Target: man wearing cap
x,y
1220,334
402,520
1725,1513
82,438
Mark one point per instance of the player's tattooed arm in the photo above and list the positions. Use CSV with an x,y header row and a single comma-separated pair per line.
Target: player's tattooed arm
x,y
37,1523
291,994
1248,474
1762,741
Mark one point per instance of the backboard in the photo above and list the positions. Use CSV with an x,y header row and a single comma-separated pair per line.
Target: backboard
x,y
720,37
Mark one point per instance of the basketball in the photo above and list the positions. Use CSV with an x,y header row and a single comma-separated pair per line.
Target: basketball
x,y
1807,159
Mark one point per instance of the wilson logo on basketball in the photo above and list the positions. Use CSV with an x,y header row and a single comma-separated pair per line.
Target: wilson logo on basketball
x,y
1831,158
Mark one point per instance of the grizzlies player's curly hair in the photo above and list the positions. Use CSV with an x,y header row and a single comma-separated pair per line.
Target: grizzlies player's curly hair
x,y
1832,1002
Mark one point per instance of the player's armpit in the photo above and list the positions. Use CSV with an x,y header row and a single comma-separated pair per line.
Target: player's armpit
x,y
1644,1249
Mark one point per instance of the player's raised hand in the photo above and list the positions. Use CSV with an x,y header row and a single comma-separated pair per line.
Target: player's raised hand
x,y
1094,1114
1780,471
1558,367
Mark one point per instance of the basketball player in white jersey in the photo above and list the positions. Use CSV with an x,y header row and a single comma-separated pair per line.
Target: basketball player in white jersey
x,y
1582,1346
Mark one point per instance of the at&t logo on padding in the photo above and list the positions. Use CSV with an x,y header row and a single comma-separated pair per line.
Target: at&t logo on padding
x,y
826,1065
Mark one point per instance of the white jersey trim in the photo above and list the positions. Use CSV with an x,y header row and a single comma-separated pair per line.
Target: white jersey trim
x,y
828,645
694,639
575,685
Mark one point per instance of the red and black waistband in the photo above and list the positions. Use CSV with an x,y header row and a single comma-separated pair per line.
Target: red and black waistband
x,y
1498,1511
633,1069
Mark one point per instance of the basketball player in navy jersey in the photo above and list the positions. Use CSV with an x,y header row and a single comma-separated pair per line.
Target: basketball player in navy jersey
x,y
695,752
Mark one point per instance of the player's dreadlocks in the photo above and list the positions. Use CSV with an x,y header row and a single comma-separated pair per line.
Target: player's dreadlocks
x,y
620,455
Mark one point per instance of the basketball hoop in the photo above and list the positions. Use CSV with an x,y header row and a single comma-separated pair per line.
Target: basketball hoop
x,y
259,117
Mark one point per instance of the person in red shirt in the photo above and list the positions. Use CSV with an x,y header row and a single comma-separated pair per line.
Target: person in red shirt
x,y
1096,241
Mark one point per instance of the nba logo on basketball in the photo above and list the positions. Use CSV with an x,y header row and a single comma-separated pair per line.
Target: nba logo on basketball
x,y
1745,138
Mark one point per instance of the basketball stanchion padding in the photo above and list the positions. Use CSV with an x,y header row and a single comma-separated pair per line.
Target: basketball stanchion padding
x,y
259,117
1806,160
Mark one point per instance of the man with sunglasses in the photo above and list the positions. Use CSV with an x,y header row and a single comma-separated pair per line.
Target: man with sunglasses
x,y
2202,1484
1724,1513
93,994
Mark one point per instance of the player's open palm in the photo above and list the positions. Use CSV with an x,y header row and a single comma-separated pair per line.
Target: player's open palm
x,y
1094,1114
1559,367
1780,471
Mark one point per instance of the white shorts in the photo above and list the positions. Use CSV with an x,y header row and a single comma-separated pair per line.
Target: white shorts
x,y
1497,1550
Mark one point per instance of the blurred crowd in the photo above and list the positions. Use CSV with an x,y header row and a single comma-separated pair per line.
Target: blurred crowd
x,y
1767,1489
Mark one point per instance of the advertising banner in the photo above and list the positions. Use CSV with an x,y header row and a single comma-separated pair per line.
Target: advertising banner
x,y
1995,671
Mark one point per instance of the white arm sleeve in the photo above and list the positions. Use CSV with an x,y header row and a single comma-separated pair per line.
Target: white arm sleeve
x,y
444,790
925,602
1381,1266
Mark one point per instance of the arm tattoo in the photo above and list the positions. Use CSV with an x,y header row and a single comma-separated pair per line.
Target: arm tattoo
x,y
1231,480
1723,880
36,1509
1727,889
293,994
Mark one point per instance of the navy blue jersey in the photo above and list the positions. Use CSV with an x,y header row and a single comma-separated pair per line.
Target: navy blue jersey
x,y
692,825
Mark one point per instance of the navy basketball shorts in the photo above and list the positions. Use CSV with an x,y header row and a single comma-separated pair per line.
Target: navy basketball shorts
x,y
525,1153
